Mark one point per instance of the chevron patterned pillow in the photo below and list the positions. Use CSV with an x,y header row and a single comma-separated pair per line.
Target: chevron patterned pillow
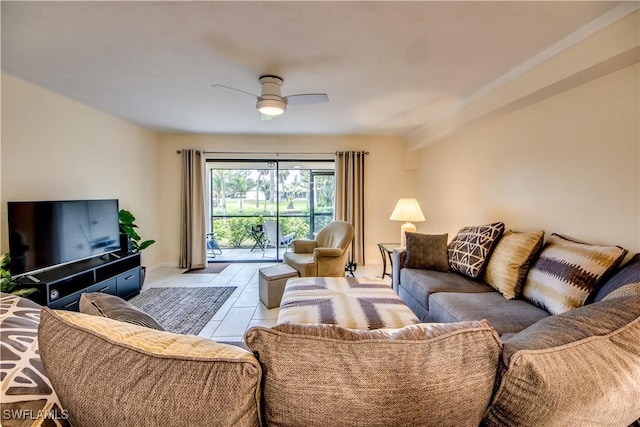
x,y
470,249
567,272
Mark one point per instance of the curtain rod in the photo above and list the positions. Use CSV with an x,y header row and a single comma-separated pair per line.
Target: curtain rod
x,y
264,152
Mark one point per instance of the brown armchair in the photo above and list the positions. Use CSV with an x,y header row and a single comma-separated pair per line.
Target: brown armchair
x,y
326,256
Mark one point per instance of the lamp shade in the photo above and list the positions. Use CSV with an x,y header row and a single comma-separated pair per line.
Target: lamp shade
x,y
407,209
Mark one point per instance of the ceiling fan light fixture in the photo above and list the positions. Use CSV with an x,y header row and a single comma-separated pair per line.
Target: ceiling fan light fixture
x,y
271,107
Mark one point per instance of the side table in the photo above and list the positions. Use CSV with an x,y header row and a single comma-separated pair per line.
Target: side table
x,y
386,250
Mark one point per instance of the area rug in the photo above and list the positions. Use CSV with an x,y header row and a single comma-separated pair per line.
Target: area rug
x,y
211,268
182,310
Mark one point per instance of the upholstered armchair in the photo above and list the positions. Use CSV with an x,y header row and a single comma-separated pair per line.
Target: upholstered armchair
x,y
326,256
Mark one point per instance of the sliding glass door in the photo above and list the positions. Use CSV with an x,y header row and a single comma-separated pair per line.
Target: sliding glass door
x,y
258,207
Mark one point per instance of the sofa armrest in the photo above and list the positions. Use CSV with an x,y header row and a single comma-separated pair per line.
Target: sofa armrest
x,y
303,246
327,252
398,257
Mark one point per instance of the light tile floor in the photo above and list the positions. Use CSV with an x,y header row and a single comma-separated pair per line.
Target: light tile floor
x,y
243,309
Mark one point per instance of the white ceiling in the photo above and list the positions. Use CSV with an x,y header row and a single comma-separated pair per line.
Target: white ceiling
x,y
388,67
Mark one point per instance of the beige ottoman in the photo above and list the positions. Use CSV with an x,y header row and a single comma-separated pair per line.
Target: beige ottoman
x,y
272,281
351,302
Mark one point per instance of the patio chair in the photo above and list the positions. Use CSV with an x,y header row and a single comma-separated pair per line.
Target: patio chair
x,y
326,256
274,235
212,245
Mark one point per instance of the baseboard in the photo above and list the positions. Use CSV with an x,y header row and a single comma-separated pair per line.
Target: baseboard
x,y
162,264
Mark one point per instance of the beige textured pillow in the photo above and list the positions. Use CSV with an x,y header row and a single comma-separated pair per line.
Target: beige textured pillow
x,y
424,374
511,260
110,373
580,368
567,272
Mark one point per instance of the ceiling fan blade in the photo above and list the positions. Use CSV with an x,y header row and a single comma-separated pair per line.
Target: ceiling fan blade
x,y
215,86
307,98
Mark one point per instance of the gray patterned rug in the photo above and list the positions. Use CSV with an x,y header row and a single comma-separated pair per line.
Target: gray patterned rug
x,y
182,310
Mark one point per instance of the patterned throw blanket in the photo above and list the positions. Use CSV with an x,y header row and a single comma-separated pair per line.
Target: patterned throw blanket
x,y
27,398
350,302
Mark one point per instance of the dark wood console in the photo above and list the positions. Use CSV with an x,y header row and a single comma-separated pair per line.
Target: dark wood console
x,y
61,287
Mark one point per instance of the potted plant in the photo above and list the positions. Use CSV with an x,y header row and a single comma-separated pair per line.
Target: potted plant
x,y
128,230
7,284
130,240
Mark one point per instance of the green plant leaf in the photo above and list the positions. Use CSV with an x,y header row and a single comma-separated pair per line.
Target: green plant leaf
x,y
126,217
24,292
145,244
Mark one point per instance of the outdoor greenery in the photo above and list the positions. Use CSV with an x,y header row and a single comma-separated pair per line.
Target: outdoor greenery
x,y
240,199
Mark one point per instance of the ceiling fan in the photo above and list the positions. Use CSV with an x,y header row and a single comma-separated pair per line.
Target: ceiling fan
x,y
271,103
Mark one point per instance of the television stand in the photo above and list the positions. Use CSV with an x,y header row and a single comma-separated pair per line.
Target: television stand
x,y
60,287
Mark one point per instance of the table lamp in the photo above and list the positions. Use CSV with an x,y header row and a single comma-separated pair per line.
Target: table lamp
x,y
407,210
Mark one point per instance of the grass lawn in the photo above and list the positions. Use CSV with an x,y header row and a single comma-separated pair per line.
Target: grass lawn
x,y
249,207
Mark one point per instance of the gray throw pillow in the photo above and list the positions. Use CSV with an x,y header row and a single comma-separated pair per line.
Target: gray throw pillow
x,y
113,307
428,251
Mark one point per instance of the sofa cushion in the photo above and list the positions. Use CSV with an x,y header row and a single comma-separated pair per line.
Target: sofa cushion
x,y
567,272
303,262
577,368
422,283
511,260
506,316
628,273
427,251
113,307
424,374
470,249
114,373
26,389
625,291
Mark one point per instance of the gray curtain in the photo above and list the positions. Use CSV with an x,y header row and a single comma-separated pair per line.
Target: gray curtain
x,y
193,251
350,197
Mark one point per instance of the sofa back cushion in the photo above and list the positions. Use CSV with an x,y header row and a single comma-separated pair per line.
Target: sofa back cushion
x,y
114,373
567,272
470,249
511,260
427,251
424,374
627,274
577,368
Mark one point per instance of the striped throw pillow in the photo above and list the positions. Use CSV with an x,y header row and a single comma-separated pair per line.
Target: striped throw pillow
x,y
567,272
113,307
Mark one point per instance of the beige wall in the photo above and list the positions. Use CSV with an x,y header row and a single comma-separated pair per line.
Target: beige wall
x,y
55,148
385,176
568,164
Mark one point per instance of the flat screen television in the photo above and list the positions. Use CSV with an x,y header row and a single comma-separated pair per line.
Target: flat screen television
x,y
47,233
